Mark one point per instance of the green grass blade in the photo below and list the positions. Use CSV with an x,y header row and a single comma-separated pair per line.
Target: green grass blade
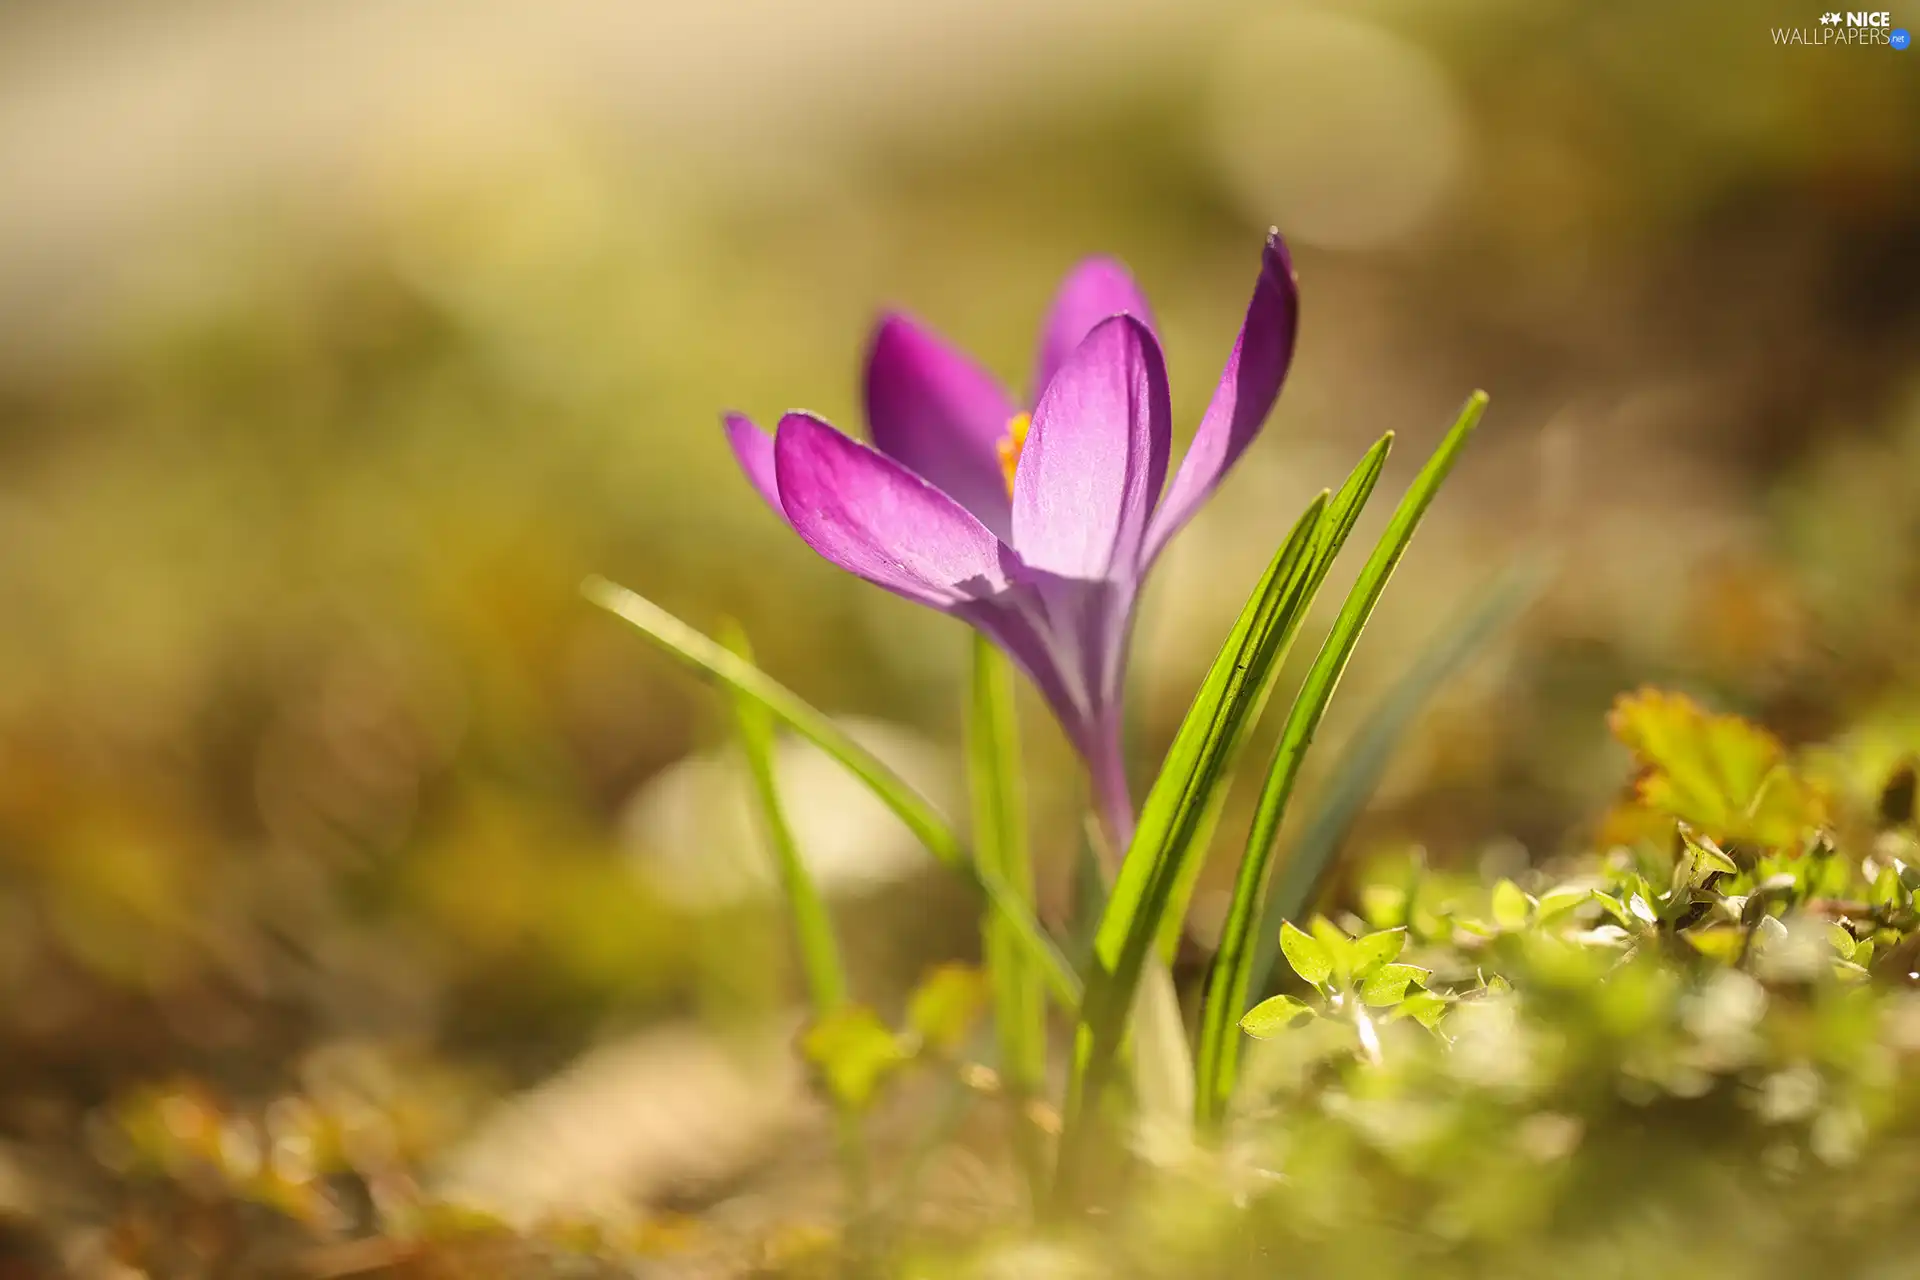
x,y
1000,845
921,818
813,933
1089,895
1363,762
1156,878
1161,1057
1342,513
1224,1001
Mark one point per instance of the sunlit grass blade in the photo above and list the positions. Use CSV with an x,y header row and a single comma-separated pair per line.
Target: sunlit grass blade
x,y
913,809
813,934
1156,878
1224,1001
1342,513
994,783
1162,1059
1364,760
1089,901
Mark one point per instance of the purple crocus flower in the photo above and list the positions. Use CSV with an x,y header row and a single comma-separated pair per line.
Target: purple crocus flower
x,y
1037,527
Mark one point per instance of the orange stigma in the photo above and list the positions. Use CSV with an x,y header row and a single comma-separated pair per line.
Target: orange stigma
x,y
1010,445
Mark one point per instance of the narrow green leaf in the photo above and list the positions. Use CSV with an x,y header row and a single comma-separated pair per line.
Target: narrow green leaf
x,y
919,815
1180,809
1000,845
813,932
1342,513
1089,895
1363,761
1272,1016
1387,986
1162,1060
1231,974
1308,958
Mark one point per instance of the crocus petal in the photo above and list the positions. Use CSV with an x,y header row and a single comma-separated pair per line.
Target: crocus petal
x,y
873,517
942,416
1068,634
753,448
1092,291
1013,621
1095,457
1248,388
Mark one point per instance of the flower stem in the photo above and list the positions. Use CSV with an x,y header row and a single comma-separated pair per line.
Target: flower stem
x,y
1112,799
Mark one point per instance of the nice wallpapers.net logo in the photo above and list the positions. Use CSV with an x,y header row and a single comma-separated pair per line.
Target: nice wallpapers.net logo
x,y
1847,30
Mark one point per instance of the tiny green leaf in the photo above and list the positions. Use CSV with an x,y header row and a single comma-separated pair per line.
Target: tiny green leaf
x,y
1842,940
1372,950
1339,948
1769,933
1560,900
1615,908
853,1051
1424,1007
1512,908
1308,958
1389,983
1708,857
1272,1016
1886,888
944,1007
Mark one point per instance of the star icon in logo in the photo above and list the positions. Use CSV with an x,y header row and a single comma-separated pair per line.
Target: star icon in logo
x,y
1829,19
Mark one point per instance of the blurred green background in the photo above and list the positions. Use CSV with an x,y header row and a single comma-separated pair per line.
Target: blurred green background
x,y
341,341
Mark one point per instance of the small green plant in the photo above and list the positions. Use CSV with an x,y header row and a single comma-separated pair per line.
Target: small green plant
x,y
1354,979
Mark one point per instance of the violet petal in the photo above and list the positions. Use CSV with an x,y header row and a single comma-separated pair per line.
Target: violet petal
x,y
1093,291
1096,456
753,448
1248,387
939,414
874,518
